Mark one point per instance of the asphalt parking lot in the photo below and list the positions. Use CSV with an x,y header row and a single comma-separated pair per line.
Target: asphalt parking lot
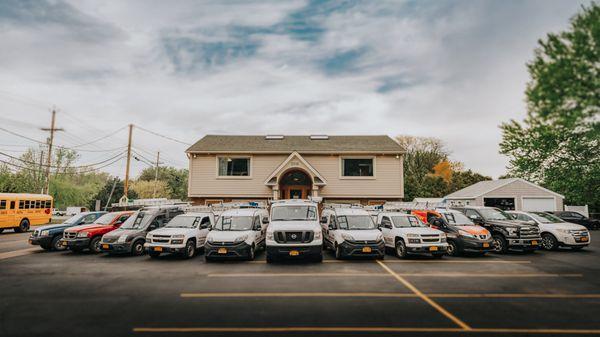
x,y
61,293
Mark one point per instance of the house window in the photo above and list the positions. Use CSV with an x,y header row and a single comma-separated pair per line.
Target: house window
x,y
234,167
357,167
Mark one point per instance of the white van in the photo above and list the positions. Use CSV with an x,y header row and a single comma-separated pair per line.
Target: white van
x,y
350,231
185,234
294,230
407,234
555,231
238,233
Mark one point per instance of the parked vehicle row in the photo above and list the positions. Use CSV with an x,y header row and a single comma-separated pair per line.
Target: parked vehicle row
x,y
294,229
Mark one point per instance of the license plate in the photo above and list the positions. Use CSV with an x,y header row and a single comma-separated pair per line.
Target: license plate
x,y
294,253
534,243
584,238
366,249
222,251
433,249
105,247
486,245
158,249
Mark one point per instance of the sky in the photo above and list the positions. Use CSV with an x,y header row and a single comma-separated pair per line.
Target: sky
x,y
454,70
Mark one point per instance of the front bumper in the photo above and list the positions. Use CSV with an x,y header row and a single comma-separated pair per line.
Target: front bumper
x,y
362,249
116,247
427,249
75,243
232,250
164,248
295,251
568,240
474,245
40,240
524,244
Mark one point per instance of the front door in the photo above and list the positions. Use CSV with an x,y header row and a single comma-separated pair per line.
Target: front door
x,y
296,194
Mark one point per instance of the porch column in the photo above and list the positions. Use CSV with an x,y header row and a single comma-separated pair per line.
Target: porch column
x,y
275,193
315,190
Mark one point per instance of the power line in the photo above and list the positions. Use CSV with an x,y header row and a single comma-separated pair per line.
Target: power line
x,y
65,173
58,167
163,136
101,138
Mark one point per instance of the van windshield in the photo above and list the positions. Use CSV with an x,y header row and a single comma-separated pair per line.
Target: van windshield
x,y
458,219
355,222
407,221
137,220
234,223
292,213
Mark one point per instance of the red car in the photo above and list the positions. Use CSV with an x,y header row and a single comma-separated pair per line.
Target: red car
x,y
82,237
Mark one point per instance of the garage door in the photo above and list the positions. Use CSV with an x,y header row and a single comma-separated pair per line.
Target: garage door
x,y
539,204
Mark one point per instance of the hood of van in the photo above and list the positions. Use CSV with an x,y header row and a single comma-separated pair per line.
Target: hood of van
x,y
171,231
421,230
475,230
294,225
226,236
363,235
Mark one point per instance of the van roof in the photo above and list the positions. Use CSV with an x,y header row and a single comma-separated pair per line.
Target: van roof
x,y
240,212
349,211
196,214
293,202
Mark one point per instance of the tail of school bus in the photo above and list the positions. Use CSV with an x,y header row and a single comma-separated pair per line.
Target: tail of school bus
x,y
19,211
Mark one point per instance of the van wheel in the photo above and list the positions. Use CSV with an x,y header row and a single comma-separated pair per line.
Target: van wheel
x,y
95,245
153,254
400,249
452,248
137,248
23,226
338,252
549,242
1,230
190,249
500,244
56,244
251,253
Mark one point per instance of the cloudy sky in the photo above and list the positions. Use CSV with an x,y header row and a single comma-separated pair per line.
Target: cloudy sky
x,y
449,69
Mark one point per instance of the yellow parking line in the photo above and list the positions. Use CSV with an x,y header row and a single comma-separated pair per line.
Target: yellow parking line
x,y
20,252
369,329
425,297
386,295
299,275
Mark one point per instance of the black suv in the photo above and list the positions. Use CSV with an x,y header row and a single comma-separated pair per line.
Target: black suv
x,y
578,218
507,233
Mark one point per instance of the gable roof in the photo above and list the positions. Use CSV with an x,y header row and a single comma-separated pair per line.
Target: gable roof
x,y
306,165
300,144
487,186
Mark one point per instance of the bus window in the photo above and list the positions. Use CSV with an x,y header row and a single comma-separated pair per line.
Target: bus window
x,y
38,204
21,204
12,205
2,204
48,204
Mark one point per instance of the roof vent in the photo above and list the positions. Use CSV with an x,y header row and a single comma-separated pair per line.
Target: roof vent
x,y
273,137
319,137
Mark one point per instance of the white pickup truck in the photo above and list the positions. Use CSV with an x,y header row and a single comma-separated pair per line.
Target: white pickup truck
x,y
407,234
239,233
185,234
294,230
351,231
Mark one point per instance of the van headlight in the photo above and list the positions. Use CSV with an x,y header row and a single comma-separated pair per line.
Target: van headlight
x,y
82,234
122,238
45,233
270,236
347,237
466,234
443,238
412,235
318,235
178,236
379,237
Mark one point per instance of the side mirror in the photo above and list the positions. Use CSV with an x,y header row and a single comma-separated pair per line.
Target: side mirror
x,y
473,217
258,228
153,226
323,219
265,221
331,226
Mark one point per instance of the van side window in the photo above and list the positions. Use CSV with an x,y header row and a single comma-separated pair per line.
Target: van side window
x,y
386,222
205,223
470,212
332,221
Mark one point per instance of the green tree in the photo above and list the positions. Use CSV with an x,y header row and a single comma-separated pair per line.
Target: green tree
x,y
558,143
176,180
103,193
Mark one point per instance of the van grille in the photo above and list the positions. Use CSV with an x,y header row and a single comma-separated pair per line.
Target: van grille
x,y
529,232
294,237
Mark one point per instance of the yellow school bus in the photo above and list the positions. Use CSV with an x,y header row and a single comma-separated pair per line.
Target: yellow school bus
x,y
19,210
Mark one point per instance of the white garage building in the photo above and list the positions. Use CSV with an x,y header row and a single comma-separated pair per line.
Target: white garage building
x,y
508,194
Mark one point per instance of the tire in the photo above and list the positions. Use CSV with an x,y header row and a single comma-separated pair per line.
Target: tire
x,y
153,254
190,250
549,242
55,245
438,255
23,226
1,230
401,249
500,244
137,248
338,252
271,258
251,253
95,245
453,249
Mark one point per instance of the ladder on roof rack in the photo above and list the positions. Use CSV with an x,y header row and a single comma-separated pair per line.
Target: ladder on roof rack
x,y
337,205
407,206
219,207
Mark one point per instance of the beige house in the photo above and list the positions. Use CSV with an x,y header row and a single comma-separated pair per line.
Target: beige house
x,y
508,194
365,169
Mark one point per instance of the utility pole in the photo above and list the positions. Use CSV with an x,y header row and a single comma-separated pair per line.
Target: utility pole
x,y
126,189
50,142
156,174
39,172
